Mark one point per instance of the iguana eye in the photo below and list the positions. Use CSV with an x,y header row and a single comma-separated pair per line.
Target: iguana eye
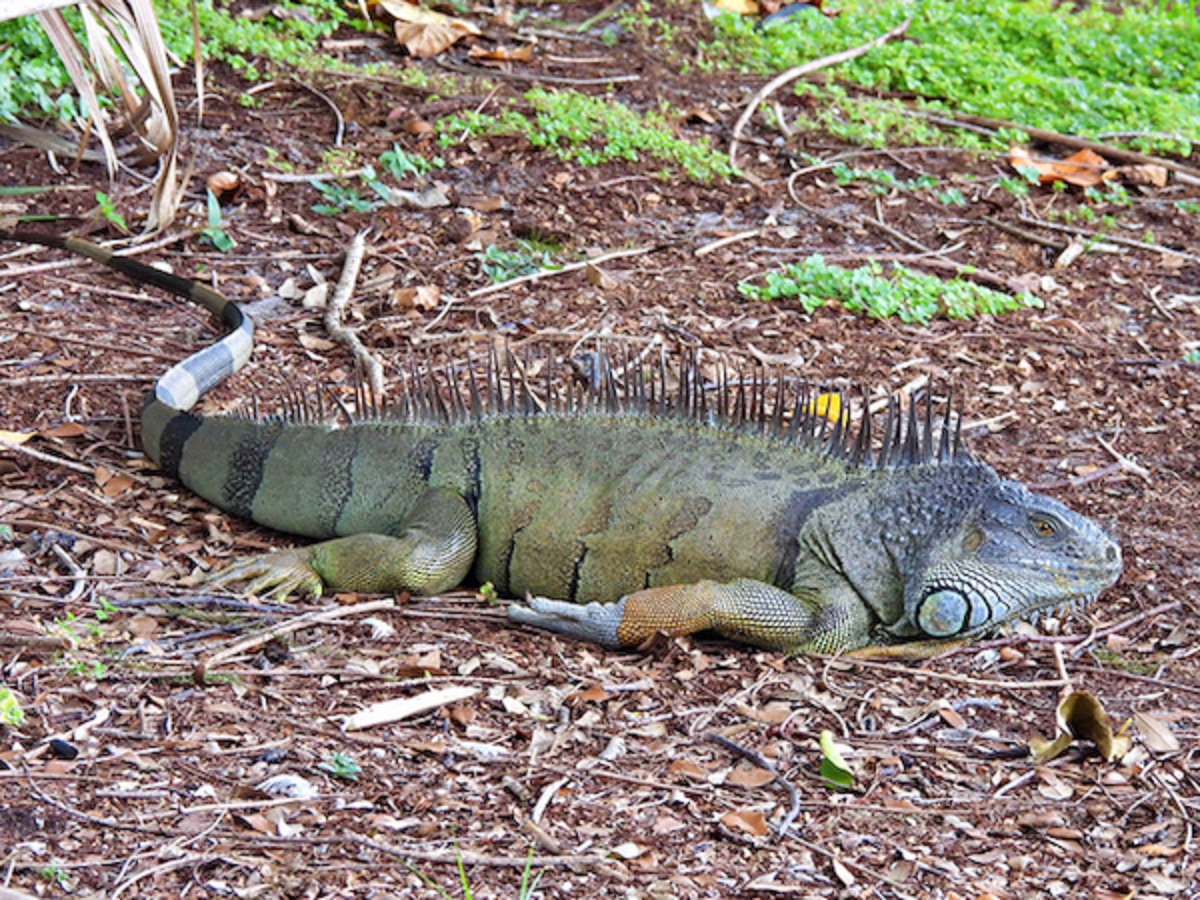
x,y
1043,527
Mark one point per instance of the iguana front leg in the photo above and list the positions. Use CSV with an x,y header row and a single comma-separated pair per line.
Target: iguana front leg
x,y
751,611
432,552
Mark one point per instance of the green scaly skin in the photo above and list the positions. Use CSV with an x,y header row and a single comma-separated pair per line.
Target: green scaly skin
x,y
621,523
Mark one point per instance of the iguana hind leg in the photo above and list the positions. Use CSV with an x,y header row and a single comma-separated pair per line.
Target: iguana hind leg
x,y
433,551
745,610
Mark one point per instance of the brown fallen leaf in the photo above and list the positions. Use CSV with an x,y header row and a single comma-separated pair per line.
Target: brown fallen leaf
x,y
1083,169
111,483
1154,176
425,296
1156,734
424,32
594,694
688,768
65,430
750,777
524,54
751,821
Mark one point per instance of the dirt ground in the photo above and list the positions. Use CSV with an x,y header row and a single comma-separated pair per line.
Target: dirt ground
x,y
597,763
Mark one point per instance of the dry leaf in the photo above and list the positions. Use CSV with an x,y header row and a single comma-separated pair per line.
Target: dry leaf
x,y
750,821
951,717
1080,715
1156,734
738,7
114,483
405,707
425,296
597,277
15,437
65,430
524,53
750,777
1152,175
627,850
845,876
315,344
666,824
594,694
425,32
1082,169
222,183
688,768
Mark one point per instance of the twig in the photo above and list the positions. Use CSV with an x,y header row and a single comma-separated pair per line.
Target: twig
x,y
895,234
571,267
1098,474
1108,238
46,457
1184,174
952,677
91,820
797,72
299,622
501,75
763,763
1058,246
1060,664
337,306
78,576
74,378
727,240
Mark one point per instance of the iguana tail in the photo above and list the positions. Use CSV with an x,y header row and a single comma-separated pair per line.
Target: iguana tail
x,y
185,383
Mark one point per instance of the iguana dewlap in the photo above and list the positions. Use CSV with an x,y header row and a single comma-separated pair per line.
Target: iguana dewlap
x,y
633,515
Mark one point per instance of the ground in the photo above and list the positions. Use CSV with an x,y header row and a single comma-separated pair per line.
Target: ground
x,y
597,763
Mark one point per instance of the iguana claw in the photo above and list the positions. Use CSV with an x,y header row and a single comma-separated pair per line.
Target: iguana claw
x,y
277,574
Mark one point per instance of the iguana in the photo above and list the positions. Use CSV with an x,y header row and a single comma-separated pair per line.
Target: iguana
x,y
622,514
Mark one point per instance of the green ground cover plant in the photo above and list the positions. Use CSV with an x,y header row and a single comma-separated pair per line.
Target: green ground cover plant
x,y
900,292
1045,65
592,130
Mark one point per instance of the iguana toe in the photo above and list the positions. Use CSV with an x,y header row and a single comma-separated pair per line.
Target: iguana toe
x,y
596,622
277,574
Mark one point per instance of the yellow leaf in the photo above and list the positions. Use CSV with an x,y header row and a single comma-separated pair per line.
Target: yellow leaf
x,y
418,15
524,53
828,406
740,7
15,437
1080,715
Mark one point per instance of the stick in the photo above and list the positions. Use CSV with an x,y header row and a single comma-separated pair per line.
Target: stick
x,y
1183,174
797,72
337,306
572,267
327,615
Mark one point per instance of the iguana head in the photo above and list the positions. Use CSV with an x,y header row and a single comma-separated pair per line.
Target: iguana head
x,y
1015,555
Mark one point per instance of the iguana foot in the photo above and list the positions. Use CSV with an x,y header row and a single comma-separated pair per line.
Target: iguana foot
x,y
276,574
595,622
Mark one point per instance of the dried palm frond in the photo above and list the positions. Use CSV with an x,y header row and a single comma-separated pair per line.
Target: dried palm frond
x,y
122,49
